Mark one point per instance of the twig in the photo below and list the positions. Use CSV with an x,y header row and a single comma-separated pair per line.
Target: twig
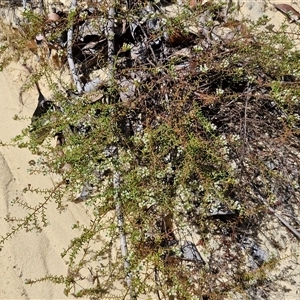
x,y
279,217
111,43
285,223
157,282
116,175
41,6
245,140
70,52
290,216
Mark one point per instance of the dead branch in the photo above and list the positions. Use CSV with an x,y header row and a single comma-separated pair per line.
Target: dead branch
x,y
70,53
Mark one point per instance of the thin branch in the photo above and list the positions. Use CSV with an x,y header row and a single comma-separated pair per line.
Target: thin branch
x,y
111,43
245,137
41,6
120,223
293,230
285,223
116,175
70,52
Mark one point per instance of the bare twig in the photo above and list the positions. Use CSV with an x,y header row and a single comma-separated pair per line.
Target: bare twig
x,y
117,176
41,6
111,43
245,138
70,52
295,232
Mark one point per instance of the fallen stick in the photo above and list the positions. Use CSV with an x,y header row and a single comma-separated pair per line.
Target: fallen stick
x,y
71,63
285,223
294,231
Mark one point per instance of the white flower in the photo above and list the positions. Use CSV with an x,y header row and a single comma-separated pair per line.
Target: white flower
x,y
219,91
198,48
297,116
213,126
225,63
295,99
204,68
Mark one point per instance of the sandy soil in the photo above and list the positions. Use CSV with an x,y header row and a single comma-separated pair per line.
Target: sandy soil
x,y
28,254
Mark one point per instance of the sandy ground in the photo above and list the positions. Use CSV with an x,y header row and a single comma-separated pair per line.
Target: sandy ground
x,y
33,255
28,254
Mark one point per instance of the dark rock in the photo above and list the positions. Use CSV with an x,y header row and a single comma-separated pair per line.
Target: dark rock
x,y
190,253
